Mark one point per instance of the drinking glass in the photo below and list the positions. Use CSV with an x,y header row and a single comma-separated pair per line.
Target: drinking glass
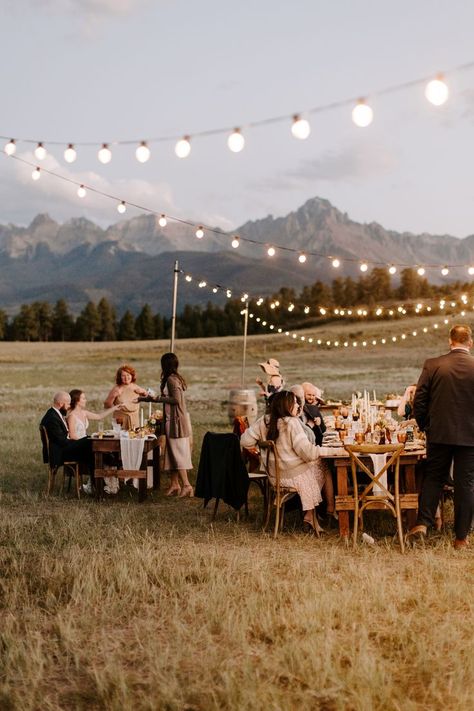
x,y
359,437
100,429
116,426
402,437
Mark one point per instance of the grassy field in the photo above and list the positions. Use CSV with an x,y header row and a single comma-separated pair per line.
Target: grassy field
x,y
124,606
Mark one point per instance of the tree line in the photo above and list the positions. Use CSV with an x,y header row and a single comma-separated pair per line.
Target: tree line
x,y
40,321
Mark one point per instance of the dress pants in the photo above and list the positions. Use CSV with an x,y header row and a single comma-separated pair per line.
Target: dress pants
x,y
438,462
80,450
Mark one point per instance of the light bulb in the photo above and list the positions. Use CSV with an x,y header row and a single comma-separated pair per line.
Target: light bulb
x,y
392,269
183,147
40,152
302,258
81,191
162,221
470,271
300,127
235,242
364,266
420,271
121,207
436,91
36,174
236,141
142,153
362,114
105,154
199,232
10,147
336,263
70,154
445,271
188,277
271,251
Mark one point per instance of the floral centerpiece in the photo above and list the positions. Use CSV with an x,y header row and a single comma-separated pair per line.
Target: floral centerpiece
x,y
153,423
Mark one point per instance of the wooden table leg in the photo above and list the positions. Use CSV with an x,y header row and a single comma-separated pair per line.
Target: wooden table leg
x,y
343,516
99,481
142,493
410,488
156,467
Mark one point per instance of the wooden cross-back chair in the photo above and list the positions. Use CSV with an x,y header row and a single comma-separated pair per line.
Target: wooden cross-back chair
x,y
385,499
277,495
70,469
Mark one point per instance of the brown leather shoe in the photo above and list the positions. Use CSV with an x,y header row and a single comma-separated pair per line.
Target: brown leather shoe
x,y
460,544
417,533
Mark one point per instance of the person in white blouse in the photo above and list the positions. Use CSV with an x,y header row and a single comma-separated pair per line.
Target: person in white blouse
x,y
78,421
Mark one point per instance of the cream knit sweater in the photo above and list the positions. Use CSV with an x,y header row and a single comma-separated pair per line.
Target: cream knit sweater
x,y
293,448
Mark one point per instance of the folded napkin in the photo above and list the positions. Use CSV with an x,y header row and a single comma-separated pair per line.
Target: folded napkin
x,y
131,452
379,460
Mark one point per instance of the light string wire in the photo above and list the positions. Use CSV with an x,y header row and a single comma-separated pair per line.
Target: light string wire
x,y
303,254
257,123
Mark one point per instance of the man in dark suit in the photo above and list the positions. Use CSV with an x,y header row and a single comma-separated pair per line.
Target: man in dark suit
x,y
444,409
61,448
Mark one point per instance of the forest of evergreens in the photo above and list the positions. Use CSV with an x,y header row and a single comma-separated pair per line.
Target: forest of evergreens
x,y
41,321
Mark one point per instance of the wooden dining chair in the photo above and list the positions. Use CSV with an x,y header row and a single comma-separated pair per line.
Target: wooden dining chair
x,y
366,498
70,469
277,495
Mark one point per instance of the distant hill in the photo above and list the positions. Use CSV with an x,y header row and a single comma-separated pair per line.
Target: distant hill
x,y
131,262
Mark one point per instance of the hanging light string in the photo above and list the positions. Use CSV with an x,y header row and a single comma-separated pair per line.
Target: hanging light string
x,y
436,91
201,229
402,311
366,342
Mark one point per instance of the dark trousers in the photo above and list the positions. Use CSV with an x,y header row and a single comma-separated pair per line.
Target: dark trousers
x,y
438,462
80,450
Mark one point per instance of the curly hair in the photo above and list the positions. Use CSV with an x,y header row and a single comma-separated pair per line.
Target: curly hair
x,y
127,369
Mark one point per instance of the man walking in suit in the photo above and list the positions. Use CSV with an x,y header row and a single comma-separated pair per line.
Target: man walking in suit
x,y
444,409
61,448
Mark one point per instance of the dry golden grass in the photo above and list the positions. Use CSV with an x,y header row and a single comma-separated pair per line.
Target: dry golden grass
x,y
126,606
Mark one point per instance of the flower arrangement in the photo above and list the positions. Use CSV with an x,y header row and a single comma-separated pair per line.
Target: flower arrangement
x,y
153,423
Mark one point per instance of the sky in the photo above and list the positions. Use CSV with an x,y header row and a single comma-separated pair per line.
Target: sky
x,y
116,70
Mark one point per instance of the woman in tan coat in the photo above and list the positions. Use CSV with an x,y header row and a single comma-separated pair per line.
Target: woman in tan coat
x,y
177,426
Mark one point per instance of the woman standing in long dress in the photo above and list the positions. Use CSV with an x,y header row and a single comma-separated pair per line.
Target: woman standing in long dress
x,y
125,393
177,426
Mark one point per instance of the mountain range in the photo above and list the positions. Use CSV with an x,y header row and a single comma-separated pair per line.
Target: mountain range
x,y
131,262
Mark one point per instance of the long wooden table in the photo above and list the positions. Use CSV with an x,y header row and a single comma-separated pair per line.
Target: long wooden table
x,y
112,445
345,501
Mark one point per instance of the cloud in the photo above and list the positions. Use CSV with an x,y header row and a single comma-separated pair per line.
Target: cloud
x,y
22,198
352,163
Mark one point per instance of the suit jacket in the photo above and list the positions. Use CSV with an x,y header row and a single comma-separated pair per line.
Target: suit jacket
x,y
57,435
444,399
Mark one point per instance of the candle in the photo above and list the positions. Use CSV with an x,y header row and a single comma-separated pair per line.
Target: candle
x,y
375,399
149,410
141,417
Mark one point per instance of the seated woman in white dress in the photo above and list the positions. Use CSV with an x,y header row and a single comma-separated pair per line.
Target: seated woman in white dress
x,y
78,420
299,461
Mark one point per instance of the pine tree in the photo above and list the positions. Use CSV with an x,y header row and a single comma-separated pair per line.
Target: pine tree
x,y
126,330
107,317
62,322
88,323
144,324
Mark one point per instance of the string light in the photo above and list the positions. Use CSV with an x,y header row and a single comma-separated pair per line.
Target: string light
x,y
392,269
142,153
362,114
271,251
10,147
81,191
336,263
121,207
436,91
420,271
70,154
162,221
40,152
302,258
36,174
199,232
235,242
363,267
445,271
236,141
104,154
183,147
300,127
470,271
188,277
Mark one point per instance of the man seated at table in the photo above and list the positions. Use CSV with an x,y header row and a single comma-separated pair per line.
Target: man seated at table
x,y
61,448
